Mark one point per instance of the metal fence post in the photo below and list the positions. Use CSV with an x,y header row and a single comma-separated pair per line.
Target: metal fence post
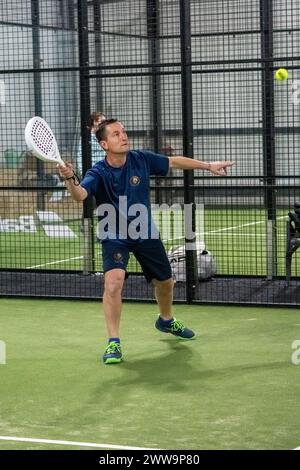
x,y
266,21
187,129
83,40
37,85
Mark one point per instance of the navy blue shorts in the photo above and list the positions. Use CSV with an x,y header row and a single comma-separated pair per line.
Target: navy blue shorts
x,y
150,254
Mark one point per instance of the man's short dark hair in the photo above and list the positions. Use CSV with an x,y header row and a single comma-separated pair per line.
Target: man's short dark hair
x,y
101,132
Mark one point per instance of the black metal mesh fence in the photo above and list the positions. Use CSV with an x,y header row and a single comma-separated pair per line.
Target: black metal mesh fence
x,y
131,60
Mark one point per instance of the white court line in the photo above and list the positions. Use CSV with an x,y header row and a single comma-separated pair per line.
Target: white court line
x,y
79,444
226,229
243,234
54,262
240,226
72,443
237,226
237,234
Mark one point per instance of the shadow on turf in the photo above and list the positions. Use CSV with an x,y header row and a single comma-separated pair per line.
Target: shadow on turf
x,y
179,367
170,370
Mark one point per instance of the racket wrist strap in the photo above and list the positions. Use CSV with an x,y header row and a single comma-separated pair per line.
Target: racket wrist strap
x,y
74,177
69,178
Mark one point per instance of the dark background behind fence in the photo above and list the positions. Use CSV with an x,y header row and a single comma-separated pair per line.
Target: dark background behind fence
x,y
192,78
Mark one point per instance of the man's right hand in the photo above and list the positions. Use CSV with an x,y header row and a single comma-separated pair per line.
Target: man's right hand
x,y
72,183
66,171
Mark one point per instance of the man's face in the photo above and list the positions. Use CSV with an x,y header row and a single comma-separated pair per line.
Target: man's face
x,y
116,140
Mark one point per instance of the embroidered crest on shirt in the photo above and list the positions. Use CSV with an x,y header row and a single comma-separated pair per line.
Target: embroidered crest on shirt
x,y
135,180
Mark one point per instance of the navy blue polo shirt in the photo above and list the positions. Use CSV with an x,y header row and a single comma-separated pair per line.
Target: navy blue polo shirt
x,y
125,190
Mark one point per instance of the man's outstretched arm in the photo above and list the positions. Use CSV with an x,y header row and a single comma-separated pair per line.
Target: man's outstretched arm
x,y
184,163
77,192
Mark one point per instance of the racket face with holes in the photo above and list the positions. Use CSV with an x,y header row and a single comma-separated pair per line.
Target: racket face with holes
x,y
41,141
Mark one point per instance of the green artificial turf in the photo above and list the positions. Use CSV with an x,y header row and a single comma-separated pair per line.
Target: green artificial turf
x,y
234,387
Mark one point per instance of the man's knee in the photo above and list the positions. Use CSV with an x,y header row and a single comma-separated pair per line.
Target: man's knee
x,y
114,283
166,285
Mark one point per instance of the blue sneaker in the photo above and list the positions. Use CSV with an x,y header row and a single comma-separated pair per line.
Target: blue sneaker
x,y
175,327
113,353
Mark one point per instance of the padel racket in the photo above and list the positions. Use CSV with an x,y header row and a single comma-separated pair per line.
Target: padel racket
x,y
41,141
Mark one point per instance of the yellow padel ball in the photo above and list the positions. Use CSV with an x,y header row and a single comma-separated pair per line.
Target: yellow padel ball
x,y
281,74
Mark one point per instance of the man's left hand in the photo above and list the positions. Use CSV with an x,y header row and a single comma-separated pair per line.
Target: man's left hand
x,y
220,168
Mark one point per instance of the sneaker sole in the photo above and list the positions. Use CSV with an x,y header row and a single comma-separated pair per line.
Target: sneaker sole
x,y
180,337
185,339
113,360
